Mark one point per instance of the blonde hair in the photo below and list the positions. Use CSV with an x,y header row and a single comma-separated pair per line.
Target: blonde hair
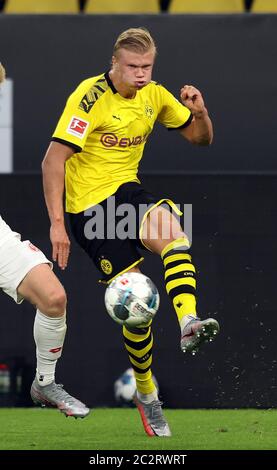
x,y
138,40
2,73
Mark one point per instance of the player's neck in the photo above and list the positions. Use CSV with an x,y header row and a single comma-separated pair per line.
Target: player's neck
x,y
120,87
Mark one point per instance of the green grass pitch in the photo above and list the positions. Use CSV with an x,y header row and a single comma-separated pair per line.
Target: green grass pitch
x,y
121,429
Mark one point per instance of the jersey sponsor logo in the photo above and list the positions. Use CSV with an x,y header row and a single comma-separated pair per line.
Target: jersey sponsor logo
x,y
111,140
77,127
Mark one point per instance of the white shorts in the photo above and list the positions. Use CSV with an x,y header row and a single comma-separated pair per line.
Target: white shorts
x,y
17,258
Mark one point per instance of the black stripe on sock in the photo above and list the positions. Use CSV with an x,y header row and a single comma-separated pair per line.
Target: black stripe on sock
x,y
183,289
176,251
142,359
140,371
137,331
172,264
138,345
180,275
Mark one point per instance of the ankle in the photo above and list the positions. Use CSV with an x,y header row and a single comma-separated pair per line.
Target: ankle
x,y
148,397
187,319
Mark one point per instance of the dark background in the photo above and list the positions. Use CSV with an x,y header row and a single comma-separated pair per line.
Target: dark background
x,y
231,59
232,187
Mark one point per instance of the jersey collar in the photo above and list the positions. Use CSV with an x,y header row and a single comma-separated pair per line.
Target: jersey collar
x,y
110,83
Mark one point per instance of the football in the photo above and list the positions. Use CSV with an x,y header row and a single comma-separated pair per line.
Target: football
x,y
132,299
125,387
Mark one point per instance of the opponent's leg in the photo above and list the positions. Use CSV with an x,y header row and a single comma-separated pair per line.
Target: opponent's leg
x,y
42,288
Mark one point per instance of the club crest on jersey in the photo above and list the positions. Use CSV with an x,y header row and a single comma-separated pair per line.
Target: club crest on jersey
x,y
149,111
106,266
77,127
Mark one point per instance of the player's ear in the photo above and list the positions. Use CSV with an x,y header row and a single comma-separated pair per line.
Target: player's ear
x,y
113,60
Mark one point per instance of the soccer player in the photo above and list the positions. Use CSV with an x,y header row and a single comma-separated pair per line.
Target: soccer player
x,y
25,273
97,146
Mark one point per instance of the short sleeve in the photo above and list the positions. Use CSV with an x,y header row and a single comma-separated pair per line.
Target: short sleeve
x,y
173,114
75,124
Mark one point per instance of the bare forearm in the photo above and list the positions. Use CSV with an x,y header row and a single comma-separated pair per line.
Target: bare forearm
x,y
202,129
53,170
53,185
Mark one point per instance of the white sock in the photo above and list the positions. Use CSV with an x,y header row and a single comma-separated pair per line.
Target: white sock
x,y
148,397
49,334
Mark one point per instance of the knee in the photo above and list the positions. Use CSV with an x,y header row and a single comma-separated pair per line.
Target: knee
x,y
56,303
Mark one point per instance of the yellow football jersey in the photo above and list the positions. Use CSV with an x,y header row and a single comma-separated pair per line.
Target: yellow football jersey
x,y
108,133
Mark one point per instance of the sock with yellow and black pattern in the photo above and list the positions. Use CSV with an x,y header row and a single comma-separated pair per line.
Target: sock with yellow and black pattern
x,y
180,279
139,342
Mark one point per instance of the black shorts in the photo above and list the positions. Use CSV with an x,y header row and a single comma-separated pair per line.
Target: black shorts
x,y
110,231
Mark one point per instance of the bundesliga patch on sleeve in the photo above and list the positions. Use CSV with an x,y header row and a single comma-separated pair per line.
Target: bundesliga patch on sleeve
x,y
77,127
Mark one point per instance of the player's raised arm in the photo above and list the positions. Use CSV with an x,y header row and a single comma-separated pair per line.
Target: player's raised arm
x,y
200,131
53,170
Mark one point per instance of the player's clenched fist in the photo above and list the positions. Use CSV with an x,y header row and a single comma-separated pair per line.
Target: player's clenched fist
x,y
191,97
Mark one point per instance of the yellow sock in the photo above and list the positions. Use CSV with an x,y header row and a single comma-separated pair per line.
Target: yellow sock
x,y
180,278
139,342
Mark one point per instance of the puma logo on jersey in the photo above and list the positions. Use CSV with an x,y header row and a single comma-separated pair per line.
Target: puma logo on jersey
x,y
117,117
86,105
